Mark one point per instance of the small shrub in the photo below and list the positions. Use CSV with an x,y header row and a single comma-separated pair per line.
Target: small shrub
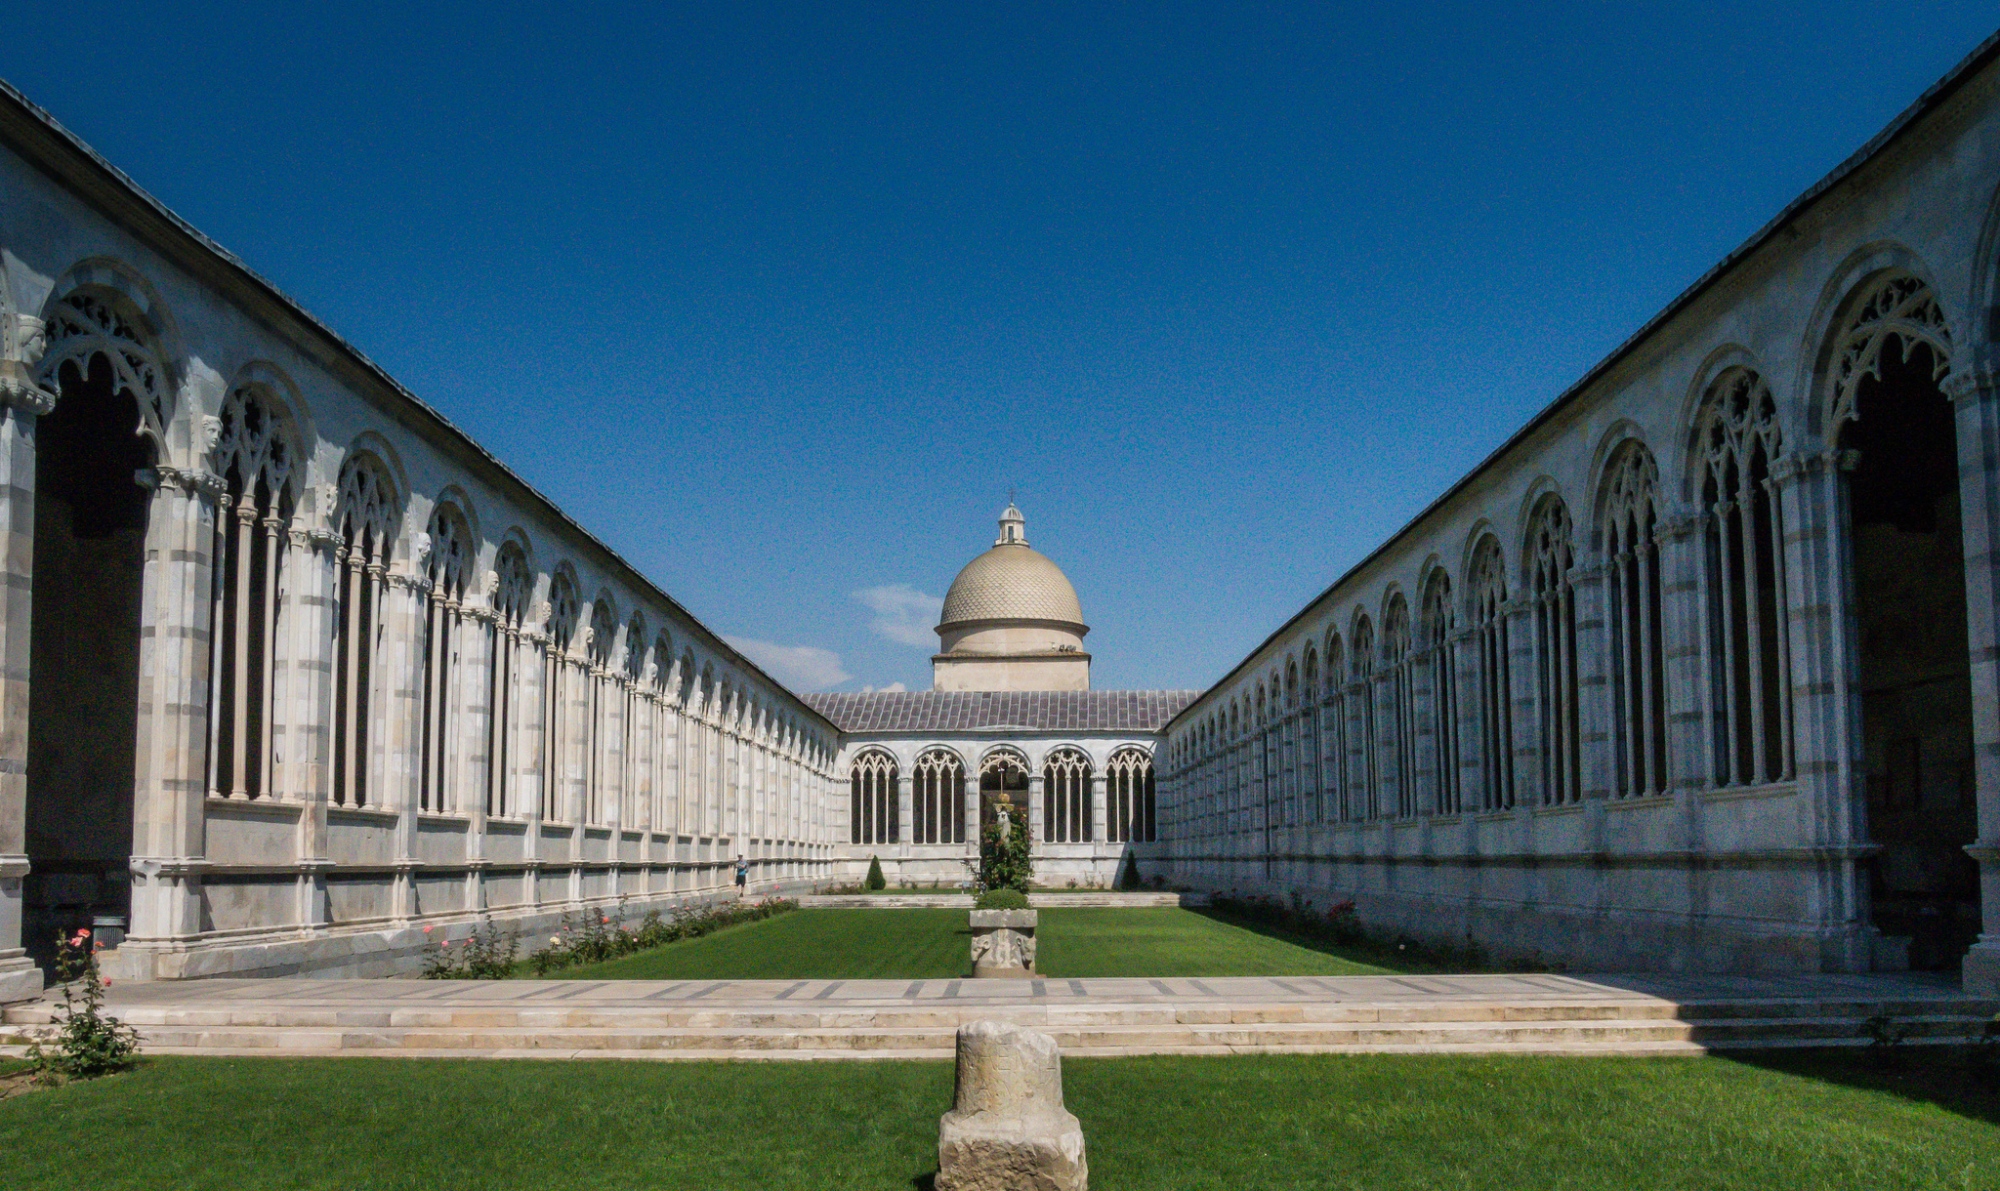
x,y
1005,898
484,955
1885,1040
875,879
88,1042
1128,877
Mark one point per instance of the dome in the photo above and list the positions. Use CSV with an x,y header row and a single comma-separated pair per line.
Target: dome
x,y
1011,582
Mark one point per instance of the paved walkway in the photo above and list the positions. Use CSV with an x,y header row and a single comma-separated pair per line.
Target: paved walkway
x,y
918,1019
1325,991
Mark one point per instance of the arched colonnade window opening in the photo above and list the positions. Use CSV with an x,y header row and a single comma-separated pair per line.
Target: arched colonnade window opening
x,y
1438,662
513,585
1493,674
445,694
255,458
1131,804
872,800
1637,639
1557,702
1066,810
367,512
559,669
937,799
1748,654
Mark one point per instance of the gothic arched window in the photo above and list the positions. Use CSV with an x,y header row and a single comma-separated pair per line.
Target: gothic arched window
x,y
1338,766
1556,701
1400,709
1366,802
558,682
1632,604
254,457
512,586
937,799
1743,581
1129,802
366,515
872,800
449,570
1438,657
1066,797
1487,589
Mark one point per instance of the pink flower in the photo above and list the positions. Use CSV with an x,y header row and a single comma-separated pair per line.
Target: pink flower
x,y
429,929
107,984
606,921
83,932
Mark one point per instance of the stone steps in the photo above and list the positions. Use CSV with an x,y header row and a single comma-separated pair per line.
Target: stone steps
x,y
1632,1027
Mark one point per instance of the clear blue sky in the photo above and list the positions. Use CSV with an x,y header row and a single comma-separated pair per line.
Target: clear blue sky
x,y
781,300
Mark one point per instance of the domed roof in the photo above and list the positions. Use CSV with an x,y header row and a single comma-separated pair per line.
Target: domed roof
x,y
1011,582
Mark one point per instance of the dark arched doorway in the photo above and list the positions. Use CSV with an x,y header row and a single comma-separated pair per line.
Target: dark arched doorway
x,y
89,554
1900,445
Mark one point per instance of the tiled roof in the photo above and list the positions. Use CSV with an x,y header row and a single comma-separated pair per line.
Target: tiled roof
x,y
972,711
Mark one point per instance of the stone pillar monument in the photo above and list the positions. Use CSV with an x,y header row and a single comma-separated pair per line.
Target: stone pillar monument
x,y
1008,1130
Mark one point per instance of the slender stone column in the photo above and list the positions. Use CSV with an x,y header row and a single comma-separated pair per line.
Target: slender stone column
x,y
530,730
22,401
1099,832
905,803
1525,744
168,818
1977,398
1593,678
971,798
1035,835
310,606
404,624
1682,629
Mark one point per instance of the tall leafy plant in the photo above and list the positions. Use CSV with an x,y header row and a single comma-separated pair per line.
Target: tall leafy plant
x,y
1003,855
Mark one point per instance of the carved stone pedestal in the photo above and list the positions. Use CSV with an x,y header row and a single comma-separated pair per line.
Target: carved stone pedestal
x,y
1008,1130
1003,943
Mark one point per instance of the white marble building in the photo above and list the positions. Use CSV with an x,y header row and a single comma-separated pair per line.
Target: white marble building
x,y
1699,669
293,668
1012,720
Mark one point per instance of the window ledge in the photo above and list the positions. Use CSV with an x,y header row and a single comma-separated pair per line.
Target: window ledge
x,y
1746,793
1639,804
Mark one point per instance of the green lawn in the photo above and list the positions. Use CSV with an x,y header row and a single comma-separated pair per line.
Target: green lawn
x,y
933,944
1383,1123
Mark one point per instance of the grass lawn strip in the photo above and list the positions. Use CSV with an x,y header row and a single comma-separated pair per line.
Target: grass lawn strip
x,y
1385,1123
933,944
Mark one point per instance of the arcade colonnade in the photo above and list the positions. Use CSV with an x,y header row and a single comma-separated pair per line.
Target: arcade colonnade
x,y
1699,670
920,808
925,771
291,666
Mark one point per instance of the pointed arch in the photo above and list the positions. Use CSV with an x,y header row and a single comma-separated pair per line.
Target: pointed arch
x,y
937,797
1629,518
1486,606
872,809
1066,809
444,739
256,454
1131,806
367,511
1559,738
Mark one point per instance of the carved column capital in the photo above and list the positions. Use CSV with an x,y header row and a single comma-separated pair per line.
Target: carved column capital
x,y
191,481
1966,385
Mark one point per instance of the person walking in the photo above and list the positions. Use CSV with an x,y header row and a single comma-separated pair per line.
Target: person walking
x,y
742,876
